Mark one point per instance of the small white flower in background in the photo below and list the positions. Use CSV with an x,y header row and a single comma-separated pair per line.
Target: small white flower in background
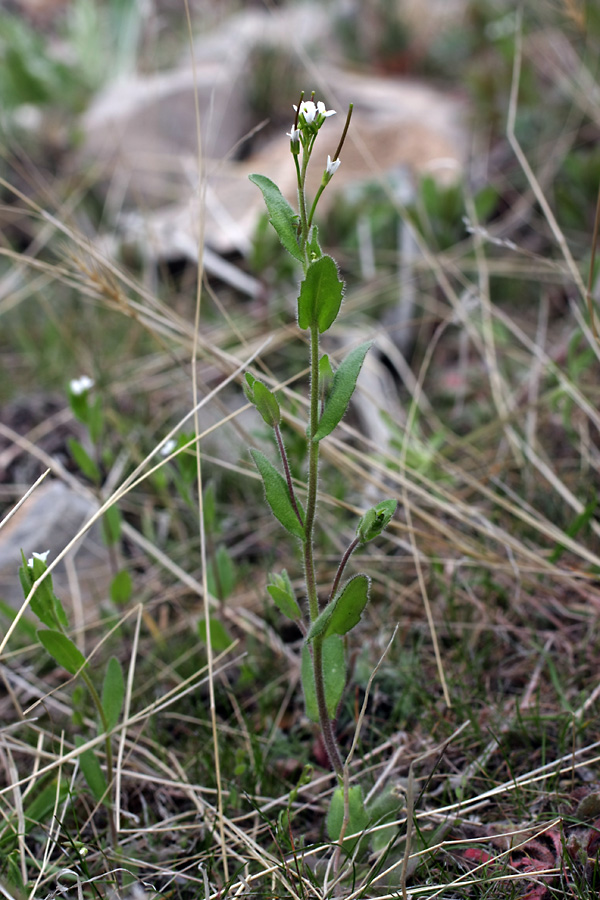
x,y
79,386
43,556
332,166
168,448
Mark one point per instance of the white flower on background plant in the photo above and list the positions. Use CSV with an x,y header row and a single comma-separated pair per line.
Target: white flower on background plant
x,y
332,166
79,386
310,111
168,448
43,556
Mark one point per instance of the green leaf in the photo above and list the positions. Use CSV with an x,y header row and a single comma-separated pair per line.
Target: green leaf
x,y
248,386
320,295
92,772
325,371
385,806
111,525
281,215
222,573
85,463
344,382
220,639
121,587
44,603
281,590
278,496
344,611
334,674
357,822
62,649
313,247
113,692
375,519
266,403
95,419
42,802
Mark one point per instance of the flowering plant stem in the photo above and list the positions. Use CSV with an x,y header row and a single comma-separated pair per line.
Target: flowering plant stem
x,y
319,302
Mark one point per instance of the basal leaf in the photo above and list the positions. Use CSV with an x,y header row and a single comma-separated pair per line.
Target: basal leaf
x,y
113,692
277,494
62,649
334,673
281,215
344,611
344,382
358,821
320,295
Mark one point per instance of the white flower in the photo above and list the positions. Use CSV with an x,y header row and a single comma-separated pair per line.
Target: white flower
x,y
310,111
294,135
324,112
80,385
43,556
168,448
332,166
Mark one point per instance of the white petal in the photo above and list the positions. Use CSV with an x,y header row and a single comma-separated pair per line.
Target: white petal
x,y
332,165
168,448
43,556
78,386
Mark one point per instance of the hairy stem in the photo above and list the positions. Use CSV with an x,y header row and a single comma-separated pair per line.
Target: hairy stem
x,y
313,477
327,728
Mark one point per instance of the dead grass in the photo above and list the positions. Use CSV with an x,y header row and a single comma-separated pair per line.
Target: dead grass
x,y
481,722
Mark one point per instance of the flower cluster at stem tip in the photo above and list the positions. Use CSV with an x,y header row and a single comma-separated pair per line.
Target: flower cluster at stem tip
x,y
309,118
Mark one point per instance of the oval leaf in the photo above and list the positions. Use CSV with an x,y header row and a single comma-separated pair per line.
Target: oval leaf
x,y
113,692
281,215
334,673
220,639
357,822
320,295
62,649
344,382
344,611
277,494
121,587
266,403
